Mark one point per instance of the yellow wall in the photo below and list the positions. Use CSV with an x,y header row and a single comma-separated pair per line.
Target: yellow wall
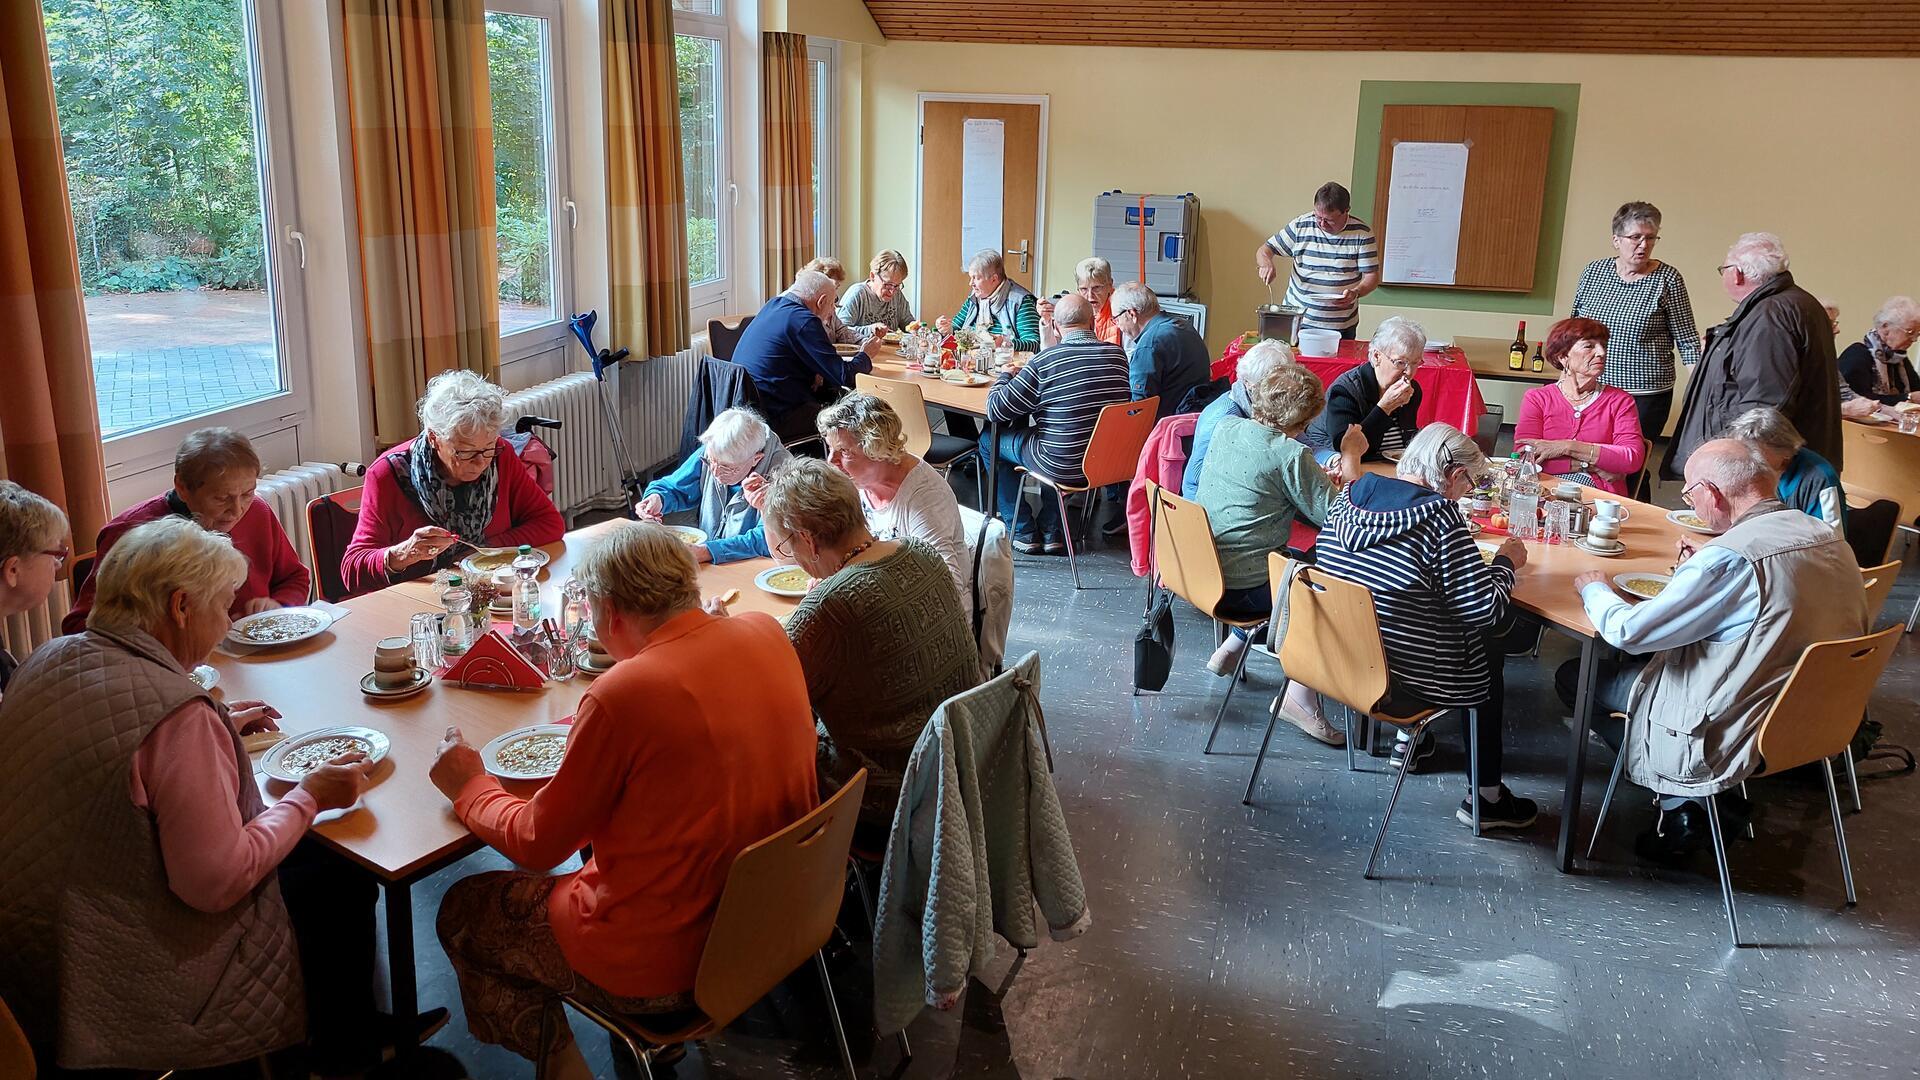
x,y
1822,152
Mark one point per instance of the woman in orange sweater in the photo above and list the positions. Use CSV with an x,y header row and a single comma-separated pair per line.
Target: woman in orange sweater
x,y
674,765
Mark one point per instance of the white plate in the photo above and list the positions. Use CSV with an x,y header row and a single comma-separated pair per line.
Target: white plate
x,y
688,534
322,618
1620,582
422,678
765,581
1393,455
1605,553
1676,517
273,765
467,563
206,676
490,753
591,669
1488,549
970,378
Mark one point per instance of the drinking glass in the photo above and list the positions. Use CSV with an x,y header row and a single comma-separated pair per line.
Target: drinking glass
x,y
424,629
1554,528
1910,422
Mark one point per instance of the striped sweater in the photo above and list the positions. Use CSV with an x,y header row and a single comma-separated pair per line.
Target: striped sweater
x,y
1434,595
1063,389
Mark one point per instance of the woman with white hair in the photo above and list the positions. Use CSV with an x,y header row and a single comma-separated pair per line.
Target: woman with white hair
x,y
1808,482
737,453
157,908
1444,615
33,548
996,304
1877,365
1093,282
456,483
880,635
903,496
1379,395
1254,365
881,299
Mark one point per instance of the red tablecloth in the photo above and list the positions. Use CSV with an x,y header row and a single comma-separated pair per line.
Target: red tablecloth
x,y
1448,393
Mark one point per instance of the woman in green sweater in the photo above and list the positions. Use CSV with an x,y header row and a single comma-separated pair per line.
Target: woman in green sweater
x,y
1257,478
881,637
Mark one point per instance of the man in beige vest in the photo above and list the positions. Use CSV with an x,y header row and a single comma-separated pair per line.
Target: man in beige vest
x,y
1710,653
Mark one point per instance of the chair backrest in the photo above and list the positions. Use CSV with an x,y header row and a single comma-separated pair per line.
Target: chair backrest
x,y
1819,708
1487,433
1183,550
1879,582
778,907
1883,461
1332,642
908,402
1118,435
16,1054
723,337
331,520
1870,528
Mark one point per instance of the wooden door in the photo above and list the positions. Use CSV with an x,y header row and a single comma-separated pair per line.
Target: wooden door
x,y
941,267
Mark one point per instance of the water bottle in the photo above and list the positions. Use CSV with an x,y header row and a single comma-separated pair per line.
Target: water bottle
x,y
457,631
1523,506
526,588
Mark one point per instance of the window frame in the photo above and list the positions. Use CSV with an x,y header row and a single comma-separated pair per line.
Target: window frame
x,y
563,214
826,233
285,250
712,299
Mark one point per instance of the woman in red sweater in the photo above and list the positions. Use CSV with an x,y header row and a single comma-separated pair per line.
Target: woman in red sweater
x,y
215,471
457,482
675,764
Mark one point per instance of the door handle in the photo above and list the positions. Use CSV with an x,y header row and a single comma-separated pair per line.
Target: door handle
x,y
1025,251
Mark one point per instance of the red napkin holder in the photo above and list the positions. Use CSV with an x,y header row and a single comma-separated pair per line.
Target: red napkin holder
x,y
493,663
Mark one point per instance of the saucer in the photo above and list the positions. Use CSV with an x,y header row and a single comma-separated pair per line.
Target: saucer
x,y
583,664
1583,544
421,680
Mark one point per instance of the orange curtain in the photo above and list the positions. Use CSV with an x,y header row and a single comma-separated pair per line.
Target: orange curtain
x,y
646,188
422,136
49,423
786,139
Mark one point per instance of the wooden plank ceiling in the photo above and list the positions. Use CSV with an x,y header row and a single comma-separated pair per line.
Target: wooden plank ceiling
x,y
1702,27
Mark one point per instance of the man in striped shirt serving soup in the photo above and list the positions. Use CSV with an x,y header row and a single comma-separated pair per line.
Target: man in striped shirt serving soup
x,y
1336,261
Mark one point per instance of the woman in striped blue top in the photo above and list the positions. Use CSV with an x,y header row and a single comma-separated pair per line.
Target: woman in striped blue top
x,y
1443,609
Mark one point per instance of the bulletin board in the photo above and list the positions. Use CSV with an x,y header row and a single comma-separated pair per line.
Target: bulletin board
x,y
1501,212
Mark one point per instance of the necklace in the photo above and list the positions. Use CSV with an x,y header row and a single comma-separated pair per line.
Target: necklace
x,y
851,555
1581,402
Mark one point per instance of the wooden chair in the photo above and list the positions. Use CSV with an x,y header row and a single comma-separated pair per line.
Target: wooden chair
x,y
723,336
1332,646
1189,566
939,450
1112,454
16,1055
331,519
1486,433
1812,719
1872,520
777,909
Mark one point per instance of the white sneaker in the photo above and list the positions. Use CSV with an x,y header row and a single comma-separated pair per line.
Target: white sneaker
x,y
1227,656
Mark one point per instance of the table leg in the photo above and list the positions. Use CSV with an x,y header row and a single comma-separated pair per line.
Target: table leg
x,y
400,965
1590,648
992,465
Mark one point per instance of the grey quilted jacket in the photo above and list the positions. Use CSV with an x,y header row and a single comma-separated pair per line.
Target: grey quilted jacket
x,y
977,838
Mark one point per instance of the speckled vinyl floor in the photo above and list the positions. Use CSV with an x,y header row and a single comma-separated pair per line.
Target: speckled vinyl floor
x,y
1231,941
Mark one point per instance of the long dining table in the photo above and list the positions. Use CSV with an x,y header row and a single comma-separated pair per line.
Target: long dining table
x,y
403,829
957,397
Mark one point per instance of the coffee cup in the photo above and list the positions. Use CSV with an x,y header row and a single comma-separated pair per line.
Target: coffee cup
x,y
1567,489
393,662
1603,531
1609,510
597,653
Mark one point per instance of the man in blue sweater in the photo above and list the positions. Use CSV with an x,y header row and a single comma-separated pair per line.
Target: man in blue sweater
x,y
793,365
1167,359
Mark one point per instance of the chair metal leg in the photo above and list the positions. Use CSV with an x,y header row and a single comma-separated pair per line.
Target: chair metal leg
x,y
1914,619
1748,799
1606,801
1260,756
1398,779
1019,504
1853,778
1839,830
833,1011
1473,766
1232,681
1066,526
1348,710
1720,863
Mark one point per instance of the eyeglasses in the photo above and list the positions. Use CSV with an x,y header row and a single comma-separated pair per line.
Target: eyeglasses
x,y
1723,269
784,548
469,456
60,555
1637,241
1686,493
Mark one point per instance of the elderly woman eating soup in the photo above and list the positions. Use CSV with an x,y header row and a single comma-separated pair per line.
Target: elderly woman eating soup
x,y
1579,428
1379,395
723,477
723,760
159,914
456,483
881,636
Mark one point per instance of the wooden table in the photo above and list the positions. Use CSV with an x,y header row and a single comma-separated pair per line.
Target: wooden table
x,y
1488,359
1882,459
404,828
972,400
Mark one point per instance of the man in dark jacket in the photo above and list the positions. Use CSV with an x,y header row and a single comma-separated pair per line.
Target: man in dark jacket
x,y
1168,359
1774,351
794,367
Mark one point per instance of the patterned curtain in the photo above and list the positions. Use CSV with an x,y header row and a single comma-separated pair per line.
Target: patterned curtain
x,y
422,135
49,424
786,138
646,189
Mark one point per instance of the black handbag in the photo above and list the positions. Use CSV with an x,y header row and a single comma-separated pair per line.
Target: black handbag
x,y
1153,645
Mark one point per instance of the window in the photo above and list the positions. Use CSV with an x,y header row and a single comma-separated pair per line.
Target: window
x,y
165,118
700,49
528,190
820,73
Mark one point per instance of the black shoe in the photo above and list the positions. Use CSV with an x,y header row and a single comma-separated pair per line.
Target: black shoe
x,y
391,1039
1421,754
1028,545
1116,526
1055,546
1510,811
1677,837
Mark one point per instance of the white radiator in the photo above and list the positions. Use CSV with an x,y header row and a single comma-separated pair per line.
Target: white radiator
x,y
653,398
288,492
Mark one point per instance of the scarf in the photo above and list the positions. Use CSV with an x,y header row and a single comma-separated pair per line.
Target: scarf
x,y
462,509
986,312
1889,366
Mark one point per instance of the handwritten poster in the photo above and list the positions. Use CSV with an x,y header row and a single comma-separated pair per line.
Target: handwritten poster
x,y
983,152
1423,212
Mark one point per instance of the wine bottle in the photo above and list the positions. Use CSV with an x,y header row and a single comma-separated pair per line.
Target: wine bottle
x,y
1517,352
1539,362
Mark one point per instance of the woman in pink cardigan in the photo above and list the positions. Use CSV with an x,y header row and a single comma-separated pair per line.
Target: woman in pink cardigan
x,y
458,482
1579,429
